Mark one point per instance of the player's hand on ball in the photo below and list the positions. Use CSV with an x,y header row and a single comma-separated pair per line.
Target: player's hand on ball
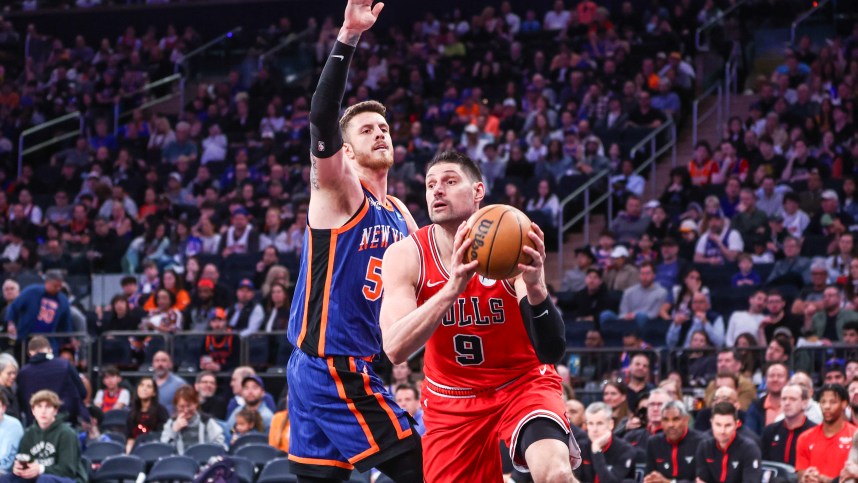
x,y
532,273
461,272
361,15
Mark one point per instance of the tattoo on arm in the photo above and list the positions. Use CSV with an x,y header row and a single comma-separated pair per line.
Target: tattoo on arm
x,y
352,39
314,175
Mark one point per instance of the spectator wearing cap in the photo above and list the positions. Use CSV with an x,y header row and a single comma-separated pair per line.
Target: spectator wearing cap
x,y
830,221
220,349
689,233
241,237
253,393
630,223
620,275
198,311
246,315
720,243
176,193
40,309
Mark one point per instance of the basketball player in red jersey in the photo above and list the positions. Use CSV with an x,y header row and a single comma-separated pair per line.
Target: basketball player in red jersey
x,y
490,344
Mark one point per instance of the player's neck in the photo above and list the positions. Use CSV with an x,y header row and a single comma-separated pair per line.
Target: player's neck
x,y
833,428
375,181
445,233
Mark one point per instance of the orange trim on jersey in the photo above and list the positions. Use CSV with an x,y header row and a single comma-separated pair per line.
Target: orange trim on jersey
x,y
378,397
308,279
341,390
332,253
355,219
320,462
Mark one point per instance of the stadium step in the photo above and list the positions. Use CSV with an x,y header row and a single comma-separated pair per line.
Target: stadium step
x,y
709,131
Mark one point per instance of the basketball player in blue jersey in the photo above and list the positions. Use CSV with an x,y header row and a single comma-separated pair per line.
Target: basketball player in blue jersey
x,y
342,417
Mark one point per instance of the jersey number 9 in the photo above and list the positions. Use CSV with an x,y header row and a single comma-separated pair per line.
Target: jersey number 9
x,y
469,350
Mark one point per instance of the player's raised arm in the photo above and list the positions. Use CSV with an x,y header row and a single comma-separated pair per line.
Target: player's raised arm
x,y
405,327
542,319
329,169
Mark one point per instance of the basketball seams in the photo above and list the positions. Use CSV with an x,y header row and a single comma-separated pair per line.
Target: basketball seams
x,y
520,244
491,246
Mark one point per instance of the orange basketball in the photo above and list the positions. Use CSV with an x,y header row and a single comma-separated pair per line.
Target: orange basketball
x,y
499,233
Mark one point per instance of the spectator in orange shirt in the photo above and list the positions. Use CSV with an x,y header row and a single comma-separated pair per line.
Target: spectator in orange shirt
x,y
172,282
701,168
821,452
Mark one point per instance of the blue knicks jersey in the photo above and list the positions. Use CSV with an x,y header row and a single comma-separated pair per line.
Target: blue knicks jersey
x,y
338,292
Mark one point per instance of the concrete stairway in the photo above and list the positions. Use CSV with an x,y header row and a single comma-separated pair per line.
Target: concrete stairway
x,y
709,131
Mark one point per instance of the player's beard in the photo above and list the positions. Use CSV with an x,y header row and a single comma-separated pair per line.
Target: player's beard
x,y
375,160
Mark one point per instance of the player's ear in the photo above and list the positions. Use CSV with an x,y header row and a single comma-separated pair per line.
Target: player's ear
x,y
479,191
348,151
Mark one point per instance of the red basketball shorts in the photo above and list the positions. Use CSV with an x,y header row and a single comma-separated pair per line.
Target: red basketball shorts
x,y
464,429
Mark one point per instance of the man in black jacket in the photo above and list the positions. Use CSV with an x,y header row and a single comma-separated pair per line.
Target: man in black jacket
x,y
640,437
727,457
55,374
779,438
605,459
670,454
593,299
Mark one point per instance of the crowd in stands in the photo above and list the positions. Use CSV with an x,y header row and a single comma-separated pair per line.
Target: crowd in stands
x,y
747,257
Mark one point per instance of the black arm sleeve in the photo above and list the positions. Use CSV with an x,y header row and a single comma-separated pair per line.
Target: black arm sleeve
x,y
325,136
545,328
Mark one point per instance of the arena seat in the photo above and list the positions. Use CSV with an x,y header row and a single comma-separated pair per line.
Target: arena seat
x,y
173,468
119,468
202,452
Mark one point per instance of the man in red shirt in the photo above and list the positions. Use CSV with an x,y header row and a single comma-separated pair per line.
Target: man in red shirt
x,y
821,451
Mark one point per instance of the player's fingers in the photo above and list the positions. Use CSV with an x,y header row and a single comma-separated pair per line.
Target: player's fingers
x,y
537,242
538,258
377,8
536,229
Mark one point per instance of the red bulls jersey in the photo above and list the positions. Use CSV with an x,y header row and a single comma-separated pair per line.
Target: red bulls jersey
x,y
481,342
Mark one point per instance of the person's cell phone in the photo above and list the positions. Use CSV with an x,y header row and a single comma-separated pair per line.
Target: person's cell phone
x,y
24,459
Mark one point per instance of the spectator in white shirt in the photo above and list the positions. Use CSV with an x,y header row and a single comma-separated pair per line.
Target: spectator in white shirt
x,y
558,18
746,320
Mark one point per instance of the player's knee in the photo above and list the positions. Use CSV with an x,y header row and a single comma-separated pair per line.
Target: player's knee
x,y
555,473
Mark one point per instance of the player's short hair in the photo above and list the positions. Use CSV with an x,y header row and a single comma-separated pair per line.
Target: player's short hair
x,y
805,394
408,387
724,408
360,108
110,371
675,404
38,344
203,374
597,407
840,391
729,375
462,160
47,396
851,325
